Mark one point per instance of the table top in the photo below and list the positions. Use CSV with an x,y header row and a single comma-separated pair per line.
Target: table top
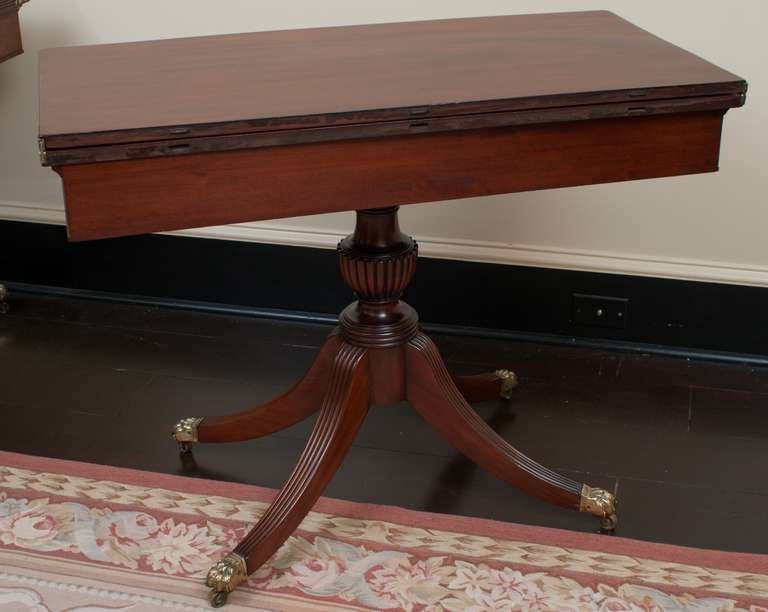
x,y
337,76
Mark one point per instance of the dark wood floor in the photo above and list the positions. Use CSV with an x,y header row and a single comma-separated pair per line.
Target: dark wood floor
x,y
684,443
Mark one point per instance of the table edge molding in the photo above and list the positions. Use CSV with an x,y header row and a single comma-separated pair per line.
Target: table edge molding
x,y
171,141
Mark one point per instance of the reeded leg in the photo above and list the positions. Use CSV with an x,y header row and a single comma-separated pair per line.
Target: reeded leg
x,y
433,394
293,406
486,386
344,407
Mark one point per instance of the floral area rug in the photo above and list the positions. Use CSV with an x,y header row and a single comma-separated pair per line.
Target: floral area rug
x,y
82,538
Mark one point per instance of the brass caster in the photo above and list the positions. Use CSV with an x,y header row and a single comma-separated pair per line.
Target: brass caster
x,y
224,576
185,433
608,524
602,504
508,382
218,598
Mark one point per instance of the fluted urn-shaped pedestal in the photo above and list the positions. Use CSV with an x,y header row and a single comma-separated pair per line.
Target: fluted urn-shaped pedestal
x,y
378,262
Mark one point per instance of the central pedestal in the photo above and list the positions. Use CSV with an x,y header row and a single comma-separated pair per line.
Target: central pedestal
x,y
378,262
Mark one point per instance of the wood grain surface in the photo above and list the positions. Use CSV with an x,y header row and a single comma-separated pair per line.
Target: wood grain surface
x,y
242,83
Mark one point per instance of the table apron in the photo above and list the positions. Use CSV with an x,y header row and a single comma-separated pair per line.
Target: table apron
x,y
169,193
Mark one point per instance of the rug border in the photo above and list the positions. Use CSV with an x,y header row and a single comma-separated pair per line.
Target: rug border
x,y
549,536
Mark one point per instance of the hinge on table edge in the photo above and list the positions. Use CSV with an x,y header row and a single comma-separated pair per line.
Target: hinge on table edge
x,y
43,152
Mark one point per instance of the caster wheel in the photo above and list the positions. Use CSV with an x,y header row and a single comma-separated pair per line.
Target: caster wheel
x,y
218,598
608,524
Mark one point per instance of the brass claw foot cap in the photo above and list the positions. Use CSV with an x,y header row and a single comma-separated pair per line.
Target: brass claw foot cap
x,y
185,432
224,576
599,503
508,382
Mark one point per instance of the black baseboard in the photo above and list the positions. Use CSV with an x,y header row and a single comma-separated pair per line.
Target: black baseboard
x,y
668,316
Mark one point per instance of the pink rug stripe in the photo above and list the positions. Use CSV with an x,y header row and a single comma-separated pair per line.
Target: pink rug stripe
x,y
740,562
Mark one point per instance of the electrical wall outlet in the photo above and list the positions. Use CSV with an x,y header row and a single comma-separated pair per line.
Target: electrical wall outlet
x,y
600,311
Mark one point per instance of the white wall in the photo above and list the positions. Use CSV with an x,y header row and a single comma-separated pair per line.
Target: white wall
x,y
707,227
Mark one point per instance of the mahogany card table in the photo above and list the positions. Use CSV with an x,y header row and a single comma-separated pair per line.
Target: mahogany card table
x,y
172,134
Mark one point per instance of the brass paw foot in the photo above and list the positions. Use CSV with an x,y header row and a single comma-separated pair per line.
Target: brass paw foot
x,y
224,576
600,503
508,382
185,433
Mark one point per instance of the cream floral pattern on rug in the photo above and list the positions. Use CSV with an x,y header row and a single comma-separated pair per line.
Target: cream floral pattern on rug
x,y
361,572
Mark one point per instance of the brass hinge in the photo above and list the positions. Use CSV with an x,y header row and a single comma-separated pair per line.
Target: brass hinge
x,y
43,152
